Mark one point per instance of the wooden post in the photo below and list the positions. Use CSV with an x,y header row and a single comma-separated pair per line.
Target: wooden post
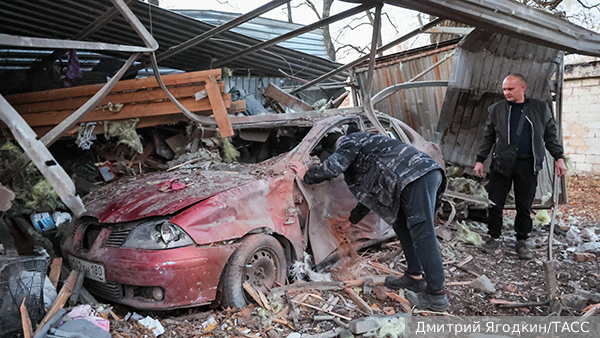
x,y
218,106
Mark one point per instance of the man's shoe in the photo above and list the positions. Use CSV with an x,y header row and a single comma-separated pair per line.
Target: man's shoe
x,y
491,245
522,250
425,301
405,282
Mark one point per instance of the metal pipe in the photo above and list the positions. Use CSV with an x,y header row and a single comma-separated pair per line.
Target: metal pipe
x,y
362,59
368,105
29,42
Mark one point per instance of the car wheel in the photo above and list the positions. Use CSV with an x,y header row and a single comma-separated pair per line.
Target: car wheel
x,y
260,261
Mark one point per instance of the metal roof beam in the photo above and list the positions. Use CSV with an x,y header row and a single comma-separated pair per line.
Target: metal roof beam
x,y
293,33
29,42
366,57
219,29
514,19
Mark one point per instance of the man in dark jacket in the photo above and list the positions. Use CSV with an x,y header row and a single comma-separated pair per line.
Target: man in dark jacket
x,y
538,132
400,184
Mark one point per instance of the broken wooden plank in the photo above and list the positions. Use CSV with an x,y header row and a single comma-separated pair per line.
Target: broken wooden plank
x,y
126,85
377,280
320,309
305,286
286,99
61,299
291,307
384,268
76,289
359,301
55,271
404,303
128,111
258,296
218,107
26,321
133,96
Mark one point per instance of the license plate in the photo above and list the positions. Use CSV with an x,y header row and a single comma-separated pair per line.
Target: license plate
x,y
91,270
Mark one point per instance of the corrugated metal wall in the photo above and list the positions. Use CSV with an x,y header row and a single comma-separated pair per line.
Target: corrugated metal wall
x,y
254,85
418,107
265,29
481,62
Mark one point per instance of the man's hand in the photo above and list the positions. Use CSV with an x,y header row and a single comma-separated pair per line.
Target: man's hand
x,y
478,169
561,167
299,168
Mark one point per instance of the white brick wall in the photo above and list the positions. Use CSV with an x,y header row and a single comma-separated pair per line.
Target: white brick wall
x,y
581,116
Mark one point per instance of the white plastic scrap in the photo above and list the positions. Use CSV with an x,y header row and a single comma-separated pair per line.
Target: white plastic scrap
x,y
541,218
153,325
300,269
210,321
86,135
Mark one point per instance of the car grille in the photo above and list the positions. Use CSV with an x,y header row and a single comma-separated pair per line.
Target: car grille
x,y
110,291
117,237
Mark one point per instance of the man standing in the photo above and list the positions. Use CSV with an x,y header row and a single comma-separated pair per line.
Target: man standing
x,y
400,184
538,131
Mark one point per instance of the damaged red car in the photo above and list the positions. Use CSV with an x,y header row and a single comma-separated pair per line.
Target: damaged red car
x,y
152,247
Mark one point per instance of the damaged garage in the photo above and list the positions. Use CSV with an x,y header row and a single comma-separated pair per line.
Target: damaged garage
x,y
134,176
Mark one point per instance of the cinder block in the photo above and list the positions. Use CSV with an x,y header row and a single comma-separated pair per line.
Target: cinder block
x,y
592,159
583,167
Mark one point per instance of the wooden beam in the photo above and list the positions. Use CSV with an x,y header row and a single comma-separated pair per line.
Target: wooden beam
x,y
130,111
286,99
218,107
135,84
142,95
26,321
55,271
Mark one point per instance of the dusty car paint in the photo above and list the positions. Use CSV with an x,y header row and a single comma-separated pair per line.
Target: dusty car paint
x,y
137,197
266,203
216,209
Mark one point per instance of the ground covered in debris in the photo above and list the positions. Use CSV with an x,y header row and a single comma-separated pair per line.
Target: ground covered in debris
x,y
322,309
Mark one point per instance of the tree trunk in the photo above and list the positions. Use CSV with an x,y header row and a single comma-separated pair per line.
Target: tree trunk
x,y
326,34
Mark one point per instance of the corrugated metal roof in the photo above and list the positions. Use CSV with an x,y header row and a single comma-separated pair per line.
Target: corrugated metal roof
x,y
64,19
418,107
265,29
481,62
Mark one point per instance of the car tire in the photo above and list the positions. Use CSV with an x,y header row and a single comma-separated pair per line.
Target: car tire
x,y
260,261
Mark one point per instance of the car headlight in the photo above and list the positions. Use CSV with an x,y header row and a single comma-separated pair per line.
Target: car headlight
x,y
156,235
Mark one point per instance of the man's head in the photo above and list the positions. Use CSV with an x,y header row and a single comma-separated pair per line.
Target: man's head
x,y
513,88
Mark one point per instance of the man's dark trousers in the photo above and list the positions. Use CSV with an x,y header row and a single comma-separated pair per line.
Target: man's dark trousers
x,y
416,230
525,183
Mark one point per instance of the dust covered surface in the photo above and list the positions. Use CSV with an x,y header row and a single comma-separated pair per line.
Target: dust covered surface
x,y
514,280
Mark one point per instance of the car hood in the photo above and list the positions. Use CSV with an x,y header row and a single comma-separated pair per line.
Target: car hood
x,y
137,197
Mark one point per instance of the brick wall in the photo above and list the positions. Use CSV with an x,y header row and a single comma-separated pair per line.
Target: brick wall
x,y
581,115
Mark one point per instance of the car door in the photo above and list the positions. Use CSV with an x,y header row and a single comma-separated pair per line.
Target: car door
x,y
330,202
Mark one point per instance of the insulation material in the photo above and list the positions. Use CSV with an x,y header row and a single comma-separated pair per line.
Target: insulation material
x,y
465,235
230,154
33,192
541,218
125,131
467,186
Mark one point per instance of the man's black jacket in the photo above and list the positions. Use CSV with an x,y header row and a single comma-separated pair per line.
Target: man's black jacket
x,y
538,117
376,169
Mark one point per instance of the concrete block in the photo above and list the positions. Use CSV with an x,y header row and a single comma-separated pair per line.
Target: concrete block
x,y
595,168
574,301
583,167
590,82
593,296
592,159
483,283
